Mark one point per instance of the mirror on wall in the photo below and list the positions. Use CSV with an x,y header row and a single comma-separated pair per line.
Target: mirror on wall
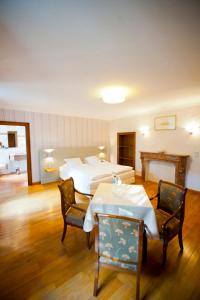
x,y
12,139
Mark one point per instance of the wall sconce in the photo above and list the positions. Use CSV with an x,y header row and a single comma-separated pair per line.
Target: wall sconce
x,y
193,128
49,157
144,130
101,154
101,148
48,151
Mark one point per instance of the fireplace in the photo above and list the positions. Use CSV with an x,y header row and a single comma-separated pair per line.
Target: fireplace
x,y
179,161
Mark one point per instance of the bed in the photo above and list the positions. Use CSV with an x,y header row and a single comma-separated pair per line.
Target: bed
x,y
87,176
106,165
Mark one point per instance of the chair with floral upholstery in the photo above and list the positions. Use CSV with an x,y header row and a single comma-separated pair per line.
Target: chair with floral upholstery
x,y
118,243
73,213
170,213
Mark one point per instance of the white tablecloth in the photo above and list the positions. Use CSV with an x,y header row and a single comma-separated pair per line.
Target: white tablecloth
x,y
124,200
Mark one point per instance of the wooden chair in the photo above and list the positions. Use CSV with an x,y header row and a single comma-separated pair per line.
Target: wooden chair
x,y
170,213
73,213
118,244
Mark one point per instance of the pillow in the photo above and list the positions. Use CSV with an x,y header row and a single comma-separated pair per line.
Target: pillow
x,y
91,160
71,162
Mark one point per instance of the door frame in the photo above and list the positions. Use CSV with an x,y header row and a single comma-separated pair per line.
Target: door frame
x,y
28,145
133,133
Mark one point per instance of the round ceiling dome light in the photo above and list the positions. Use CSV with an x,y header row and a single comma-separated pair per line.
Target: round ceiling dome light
x,y
113,95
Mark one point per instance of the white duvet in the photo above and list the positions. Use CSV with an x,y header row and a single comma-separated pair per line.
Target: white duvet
x,y
110,167
83,175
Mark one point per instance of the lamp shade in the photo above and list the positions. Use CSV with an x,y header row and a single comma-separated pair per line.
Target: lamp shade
x,y
101,156
101,148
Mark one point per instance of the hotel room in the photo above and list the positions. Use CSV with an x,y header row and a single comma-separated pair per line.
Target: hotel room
x,y
108,93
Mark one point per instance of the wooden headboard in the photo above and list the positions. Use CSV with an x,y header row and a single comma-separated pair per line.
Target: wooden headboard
x,y
49,166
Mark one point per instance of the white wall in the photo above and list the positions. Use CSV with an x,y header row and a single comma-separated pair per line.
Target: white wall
x,y
172,141
53,131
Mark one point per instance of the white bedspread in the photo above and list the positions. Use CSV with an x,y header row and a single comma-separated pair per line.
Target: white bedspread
x,y
111,167
83,175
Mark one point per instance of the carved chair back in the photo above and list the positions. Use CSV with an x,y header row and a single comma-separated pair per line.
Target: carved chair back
x,y
171,197
67,194
118,240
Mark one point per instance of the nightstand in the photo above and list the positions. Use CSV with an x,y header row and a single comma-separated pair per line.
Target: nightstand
x,y
49,175
50,170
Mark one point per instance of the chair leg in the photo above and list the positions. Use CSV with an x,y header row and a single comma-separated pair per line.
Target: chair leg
x,y
96,278
64,232
165,244
137,294
180,239
144,253
88,239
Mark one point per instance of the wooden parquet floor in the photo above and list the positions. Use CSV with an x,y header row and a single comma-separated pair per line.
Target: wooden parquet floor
x,y
34,264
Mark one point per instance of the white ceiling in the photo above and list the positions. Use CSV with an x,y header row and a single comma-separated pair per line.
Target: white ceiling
x,y
55,56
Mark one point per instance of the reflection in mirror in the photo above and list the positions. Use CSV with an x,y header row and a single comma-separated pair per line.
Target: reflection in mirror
x,y
12,139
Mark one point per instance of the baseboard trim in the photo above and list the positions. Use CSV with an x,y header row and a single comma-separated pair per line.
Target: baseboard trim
x,y
189,189
36,182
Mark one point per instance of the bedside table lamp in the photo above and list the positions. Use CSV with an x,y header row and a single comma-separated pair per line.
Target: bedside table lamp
x,y
101,154
49,160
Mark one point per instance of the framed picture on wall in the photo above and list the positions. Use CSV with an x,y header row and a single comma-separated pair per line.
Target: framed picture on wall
x,y
165,123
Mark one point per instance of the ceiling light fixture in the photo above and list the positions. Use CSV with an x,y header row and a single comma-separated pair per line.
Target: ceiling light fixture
x,y
113,95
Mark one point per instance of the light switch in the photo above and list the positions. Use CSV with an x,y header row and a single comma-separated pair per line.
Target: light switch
x,y
196,154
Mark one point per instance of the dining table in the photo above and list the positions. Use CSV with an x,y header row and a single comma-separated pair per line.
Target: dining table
x,y
123,200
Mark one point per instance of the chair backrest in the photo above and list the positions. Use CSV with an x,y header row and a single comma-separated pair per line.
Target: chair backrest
x,y
170,197
119,238
67,194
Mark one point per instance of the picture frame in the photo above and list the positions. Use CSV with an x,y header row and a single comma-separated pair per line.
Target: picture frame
x,y
165,123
